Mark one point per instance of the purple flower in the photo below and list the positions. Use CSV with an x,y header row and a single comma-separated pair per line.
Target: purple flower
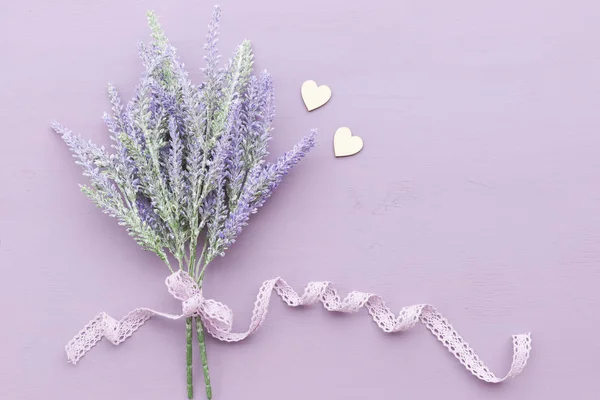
x,y
175,166
236,166
212,56
272,175
258,187
148,215
268,114
96,166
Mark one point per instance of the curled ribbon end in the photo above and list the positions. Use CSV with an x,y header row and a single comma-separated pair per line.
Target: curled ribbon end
x,y
524,338
71,358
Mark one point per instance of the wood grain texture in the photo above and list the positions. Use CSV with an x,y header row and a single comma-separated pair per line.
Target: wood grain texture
x,y
479,193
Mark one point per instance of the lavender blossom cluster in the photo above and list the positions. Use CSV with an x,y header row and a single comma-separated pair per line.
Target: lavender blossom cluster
x,y
188,160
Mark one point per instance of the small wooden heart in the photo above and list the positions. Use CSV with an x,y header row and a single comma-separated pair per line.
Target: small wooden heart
x,y
344,144
314,96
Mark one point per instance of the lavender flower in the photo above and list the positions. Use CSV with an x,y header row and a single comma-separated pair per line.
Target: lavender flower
x,y
188,159
236,166
273,174
212,56
258,187
194,154
175,170
147,214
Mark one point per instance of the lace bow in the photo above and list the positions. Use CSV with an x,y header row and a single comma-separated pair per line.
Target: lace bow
x,y
218,320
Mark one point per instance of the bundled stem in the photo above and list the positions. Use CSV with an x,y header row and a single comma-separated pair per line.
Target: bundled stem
x,y
188,354
199,328
202,345
203,357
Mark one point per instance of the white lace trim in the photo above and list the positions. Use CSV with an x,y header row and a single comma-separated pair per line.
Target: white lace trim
x,y
218,320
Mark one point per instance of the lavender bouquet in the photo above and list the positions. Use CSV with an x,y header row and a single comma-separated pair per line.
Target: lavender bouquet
x,y
188,163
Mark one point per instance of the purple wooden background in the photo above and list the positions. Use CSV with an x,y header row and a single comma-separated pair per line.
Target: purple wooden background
x,y
478,191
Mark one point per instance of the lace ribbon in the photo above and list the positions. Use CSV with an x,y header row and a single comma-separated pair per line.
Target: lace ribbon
x,y
218,320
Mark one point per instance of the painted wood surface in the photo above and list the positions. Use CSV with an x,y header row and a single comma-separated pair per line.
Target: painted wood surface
x,y
478,191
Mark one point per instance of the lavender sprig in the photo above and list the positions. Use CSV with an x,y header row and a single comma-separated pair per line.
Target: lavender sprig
x,y
188,160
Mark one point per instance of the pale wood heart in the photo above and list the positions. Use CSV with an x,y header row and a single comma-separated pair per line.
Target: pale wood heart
x,y
314,96
344,144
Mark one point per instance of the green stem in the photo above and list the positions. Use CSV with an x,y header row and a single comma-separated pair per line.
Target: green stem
x,y
201,276
188,353
197,266
192,260
202,344
200,329
166,260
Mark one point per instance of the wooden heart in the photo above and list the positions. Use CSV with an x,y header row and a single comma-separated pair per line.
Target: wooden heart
x,y
344,144
314,96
